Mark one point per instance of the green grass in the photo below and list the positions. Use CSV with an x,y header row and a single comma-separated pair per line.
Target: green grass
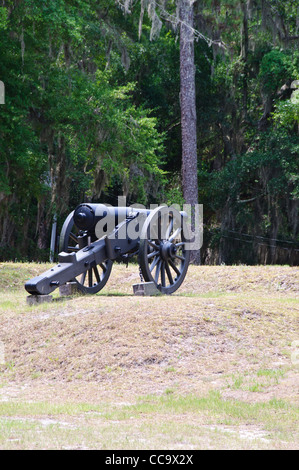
x,y
206,295
271,373
256,381
156,419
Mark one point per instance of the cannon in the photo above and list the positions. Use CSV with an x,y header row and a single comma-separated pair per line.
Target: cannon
x,y
93,236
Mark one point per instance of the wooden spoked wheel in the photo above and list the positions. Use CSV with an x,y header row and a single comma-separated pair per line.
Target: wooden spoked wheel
x,y
163,253
93,279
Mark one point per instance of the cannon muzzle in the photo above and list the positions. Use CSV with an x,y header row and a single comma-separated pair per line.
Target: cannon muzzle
x,y
86,216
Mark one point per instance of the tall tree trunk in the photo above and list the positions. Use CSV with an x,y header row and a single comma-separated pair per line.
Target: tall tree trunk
x,y
244,54
188,111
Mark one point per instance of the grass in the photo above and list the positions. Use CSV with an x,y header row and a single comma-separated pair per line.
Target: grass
x,y
209,367
258,380
189,422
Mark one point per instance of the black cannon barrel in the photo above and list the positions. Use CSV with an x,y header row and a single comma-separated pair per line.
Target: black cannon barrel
x,y
86,216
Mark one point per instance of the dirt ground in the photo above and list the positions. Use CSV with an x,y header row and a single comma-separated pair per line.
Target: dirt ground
x,y
233,329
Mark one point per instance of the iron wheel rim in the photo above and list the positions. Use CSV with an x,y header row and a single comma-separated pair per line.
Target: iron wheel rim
x,y
163,258
100,273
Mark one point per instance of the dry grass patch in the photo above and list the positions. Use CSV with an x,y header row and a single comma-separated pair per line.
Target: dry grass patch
x,y
229,330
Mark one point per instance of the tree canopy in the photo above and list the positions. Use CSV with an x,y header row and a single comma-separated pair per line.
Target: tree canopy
x,y
92,111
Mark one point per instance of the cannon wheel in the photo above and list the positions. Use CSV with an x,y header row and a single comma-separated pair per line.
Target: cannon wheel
x,y
94,279
163,257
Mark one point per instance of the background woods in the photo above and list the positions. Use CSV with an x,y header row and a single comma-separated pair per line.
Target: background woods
x,y
93,109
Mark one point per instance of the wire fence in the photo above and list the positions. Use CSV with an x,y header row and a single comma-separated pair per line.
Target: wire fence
x,y
261,240
278,249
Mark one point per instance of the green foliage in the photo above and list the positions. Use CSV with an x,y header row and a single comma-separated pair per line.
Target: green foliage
x,y
286,113
92,111
3,18
274,70
67,116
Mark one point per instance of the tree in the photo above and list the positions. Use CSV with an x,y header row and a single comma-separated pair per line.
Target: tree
x,y
68,130
188,111
247,179
183,18
93,110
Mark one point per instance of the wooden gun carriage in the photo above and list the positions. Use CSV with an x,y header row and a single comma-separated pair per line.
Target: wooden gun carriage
x,y
93,236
